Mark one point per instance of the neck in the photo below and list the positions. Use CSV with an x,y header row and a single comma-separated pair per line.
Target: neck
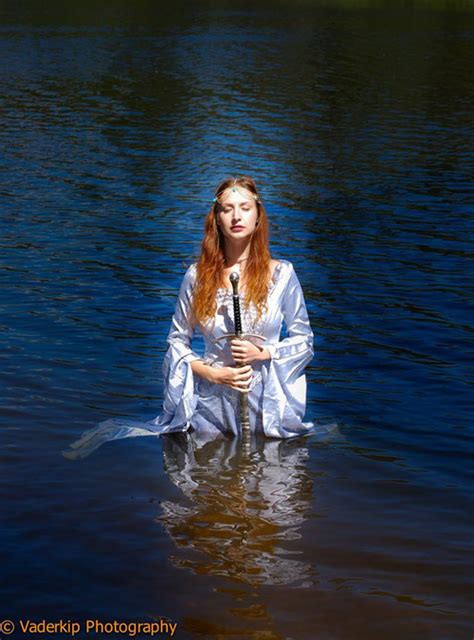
x,y
236,253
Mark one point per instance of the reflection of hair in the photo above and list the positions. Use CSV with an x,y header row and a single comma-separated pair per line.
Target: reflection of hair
x,y
211,263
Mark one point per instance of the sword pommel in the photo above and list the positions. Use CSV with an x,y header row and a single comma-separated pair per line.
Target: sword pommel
x,y
234,281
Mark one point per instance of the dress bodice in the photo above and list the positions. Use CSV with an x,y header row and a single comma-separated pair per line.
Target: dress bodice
x,y
267,325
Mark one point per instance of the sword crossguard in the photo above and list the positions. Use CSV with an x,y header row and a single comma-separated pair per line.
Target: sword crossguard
x,y
244,336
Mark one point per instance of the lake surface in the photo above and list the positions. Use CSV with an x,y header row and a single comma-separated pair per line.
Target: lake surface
x,y
356,121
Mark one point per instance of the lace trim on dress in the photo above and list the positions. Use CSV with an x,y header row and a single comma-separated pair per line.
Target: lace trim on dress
x,y
271,286
250,321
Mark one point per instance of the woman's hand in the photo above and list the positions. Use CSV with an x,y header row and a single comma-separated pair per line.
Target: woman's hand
x,y
245,352
234,377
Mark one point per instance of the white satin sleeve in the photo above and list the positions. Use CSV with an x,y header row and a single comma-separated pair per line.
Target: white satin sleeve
x,y
296,350
180,399
285,383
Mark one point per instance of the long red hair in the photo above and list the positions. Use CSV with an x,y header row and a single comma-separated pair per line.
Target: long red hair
x,y
211,263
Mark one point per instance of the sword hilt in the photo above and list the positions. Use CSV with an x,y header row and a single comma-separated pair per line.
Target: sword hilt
x,y
243,336
234,280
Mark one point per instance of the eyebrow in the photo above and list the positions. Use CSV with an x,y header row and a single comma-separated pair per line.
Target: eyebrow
x,y
231,205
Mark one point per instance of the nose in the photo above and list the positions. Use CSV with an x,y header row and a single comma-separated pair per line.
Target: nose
x,y
236,215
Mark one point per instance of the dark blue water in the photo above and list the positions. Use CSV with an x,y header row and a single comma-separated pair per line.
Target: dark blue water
x,y
116,125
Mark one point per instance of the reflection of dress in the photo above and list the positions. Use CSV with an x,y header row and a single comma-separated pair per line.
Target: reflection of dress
x,y
243,513
277,397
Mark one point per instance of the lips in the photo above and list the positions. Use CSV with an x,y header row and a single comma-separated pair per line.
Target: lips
x,y
237,227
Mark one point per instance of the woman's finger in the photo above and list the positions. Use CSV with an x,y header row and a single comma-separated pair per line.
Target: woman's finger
x,y
242,389
243,372
242,378
237,350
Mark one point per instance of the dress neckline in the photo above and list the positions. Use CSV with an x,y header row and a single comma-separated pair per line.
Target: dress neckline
x,y
273,281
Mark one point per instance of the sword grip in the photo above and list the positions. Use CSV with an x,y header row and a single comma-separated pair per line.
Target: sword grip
x,y
237,317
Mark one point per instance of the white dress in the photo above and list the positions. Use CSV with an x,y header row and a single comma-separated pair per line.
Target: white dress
x,y
277,396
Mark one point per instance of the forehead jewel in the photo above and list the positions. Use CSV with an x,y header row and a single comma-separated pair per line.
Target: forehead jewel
x,y
238,190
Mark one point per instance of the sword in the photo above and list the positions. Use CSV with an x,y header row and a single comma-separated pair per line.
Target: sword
x,y
244,401
243,398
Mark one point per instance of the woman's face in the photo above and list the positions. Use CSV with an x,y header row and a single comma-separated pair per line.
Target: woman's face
x,y
237,214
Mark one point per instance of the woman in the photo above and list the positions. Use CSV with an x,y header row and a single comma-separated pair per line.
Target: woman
x,y
202,392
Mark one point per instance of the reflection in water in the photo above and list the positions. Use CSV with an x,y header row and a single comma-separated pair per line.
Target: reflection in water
x,y
244,508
